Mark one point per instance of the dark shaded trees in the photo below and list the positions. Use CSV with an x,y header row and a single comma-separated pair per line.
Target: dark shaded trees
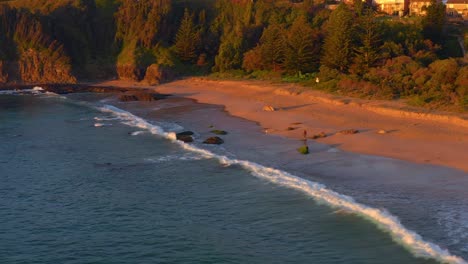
x,y
302,47
187,39
434,20
338,46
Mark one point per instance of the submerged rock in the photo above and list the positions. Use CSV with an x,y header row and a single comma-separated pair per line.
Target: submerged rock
x,y
303,150
214,141
219,132
185,136
185,133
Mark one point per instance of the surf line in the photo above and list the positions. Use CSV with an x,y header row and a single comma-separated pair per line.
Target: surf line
x,y
321,194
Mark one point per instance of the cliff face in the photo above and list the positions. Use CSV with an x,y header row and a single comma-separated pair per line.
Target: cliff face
x,y
60,41
29,53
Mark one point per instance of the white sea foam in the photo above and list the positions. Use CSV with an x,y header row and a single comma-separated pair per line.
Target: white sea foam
x,y
185,157
381,218
99,118
136,133
38,88
101,124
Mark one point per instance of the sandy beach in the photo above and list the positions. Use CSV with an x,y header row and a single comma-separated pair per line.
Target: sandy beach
x,y
418,139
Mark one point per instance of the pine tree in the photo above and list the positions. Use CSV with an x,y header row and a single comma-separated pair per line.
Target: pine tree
x,y
302,48
338,46
272,45
434,21
187,38
367,53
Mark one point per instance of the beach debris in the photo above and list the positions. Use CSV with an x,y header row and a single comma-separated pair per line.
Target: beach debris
x,y
291,128
185,136
304,150
319,135
219,132
348,132
269,108
296,123
382,131
214,141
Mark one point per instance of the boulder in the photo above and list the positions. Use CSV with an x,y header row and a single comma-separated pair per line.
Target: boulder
x,y
303,150
130,72
185,138
157,74
141,96
382,131
348,132
319,135
219,132
269,108
214,141
185,133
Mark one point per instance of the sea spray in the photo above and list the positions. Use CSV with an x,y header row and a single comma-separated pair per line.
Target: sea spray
x,y
383,219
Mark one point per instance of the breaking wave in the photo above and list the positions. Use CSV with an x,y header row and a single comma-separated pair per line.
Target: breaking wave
x,y
381,218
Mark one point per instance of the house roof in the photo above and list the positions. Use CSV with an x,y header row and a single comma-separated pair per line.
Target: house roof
x,y
457,1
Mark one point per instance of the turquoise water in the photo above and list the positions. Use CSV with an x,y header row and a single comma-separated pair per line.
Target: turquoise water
x,y
72,192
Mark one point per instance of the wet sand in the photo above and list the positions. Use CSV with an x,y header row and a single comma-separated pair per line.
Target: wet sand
x,y
420,140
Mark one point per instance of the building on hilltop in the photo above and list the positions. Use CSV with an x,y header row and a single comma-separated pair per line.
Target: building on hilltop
x,y
393,7
457,8
419,7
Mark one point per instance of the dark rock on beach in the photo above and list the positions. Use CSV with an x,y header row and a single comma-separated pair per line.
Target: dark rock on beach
x,y
185,136
219,132
214,141
141,96
319,135
348,132
185,133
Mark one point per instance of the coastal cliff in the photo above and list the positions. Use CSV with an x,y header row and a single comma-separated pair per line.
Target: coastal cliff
x,y
352,50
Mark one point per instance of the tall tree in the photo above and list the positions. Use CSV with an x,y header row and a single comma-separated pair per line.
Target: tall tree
x,y
338,46
367,52
434,21
302,47
272,45
187,38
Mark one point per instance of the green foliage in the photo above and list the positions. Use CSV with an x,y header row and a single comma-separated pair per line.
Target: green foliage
x,y
230,53
367,52
302,47
434,20
187,39
350,50
338,46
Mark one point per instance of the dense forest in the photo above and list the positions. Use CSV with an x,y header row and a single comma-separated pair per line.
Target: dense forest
x,y
351,50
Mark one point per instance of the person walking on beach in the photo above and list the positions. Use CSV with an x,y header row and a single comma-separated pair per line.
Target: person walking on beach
x,y
305,135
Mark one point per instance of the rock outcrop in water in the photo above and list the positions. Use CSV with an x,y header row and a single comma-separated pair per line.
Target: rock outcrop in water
x,y
146,96
214,141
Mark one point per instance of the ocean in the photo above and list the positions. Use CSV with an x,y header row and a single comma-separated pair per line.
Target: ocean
x,y
85,179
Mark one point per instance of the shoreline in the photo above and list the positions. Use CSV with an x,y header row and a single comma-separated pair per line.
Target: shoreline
x,y
408,190
411,134
410,137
